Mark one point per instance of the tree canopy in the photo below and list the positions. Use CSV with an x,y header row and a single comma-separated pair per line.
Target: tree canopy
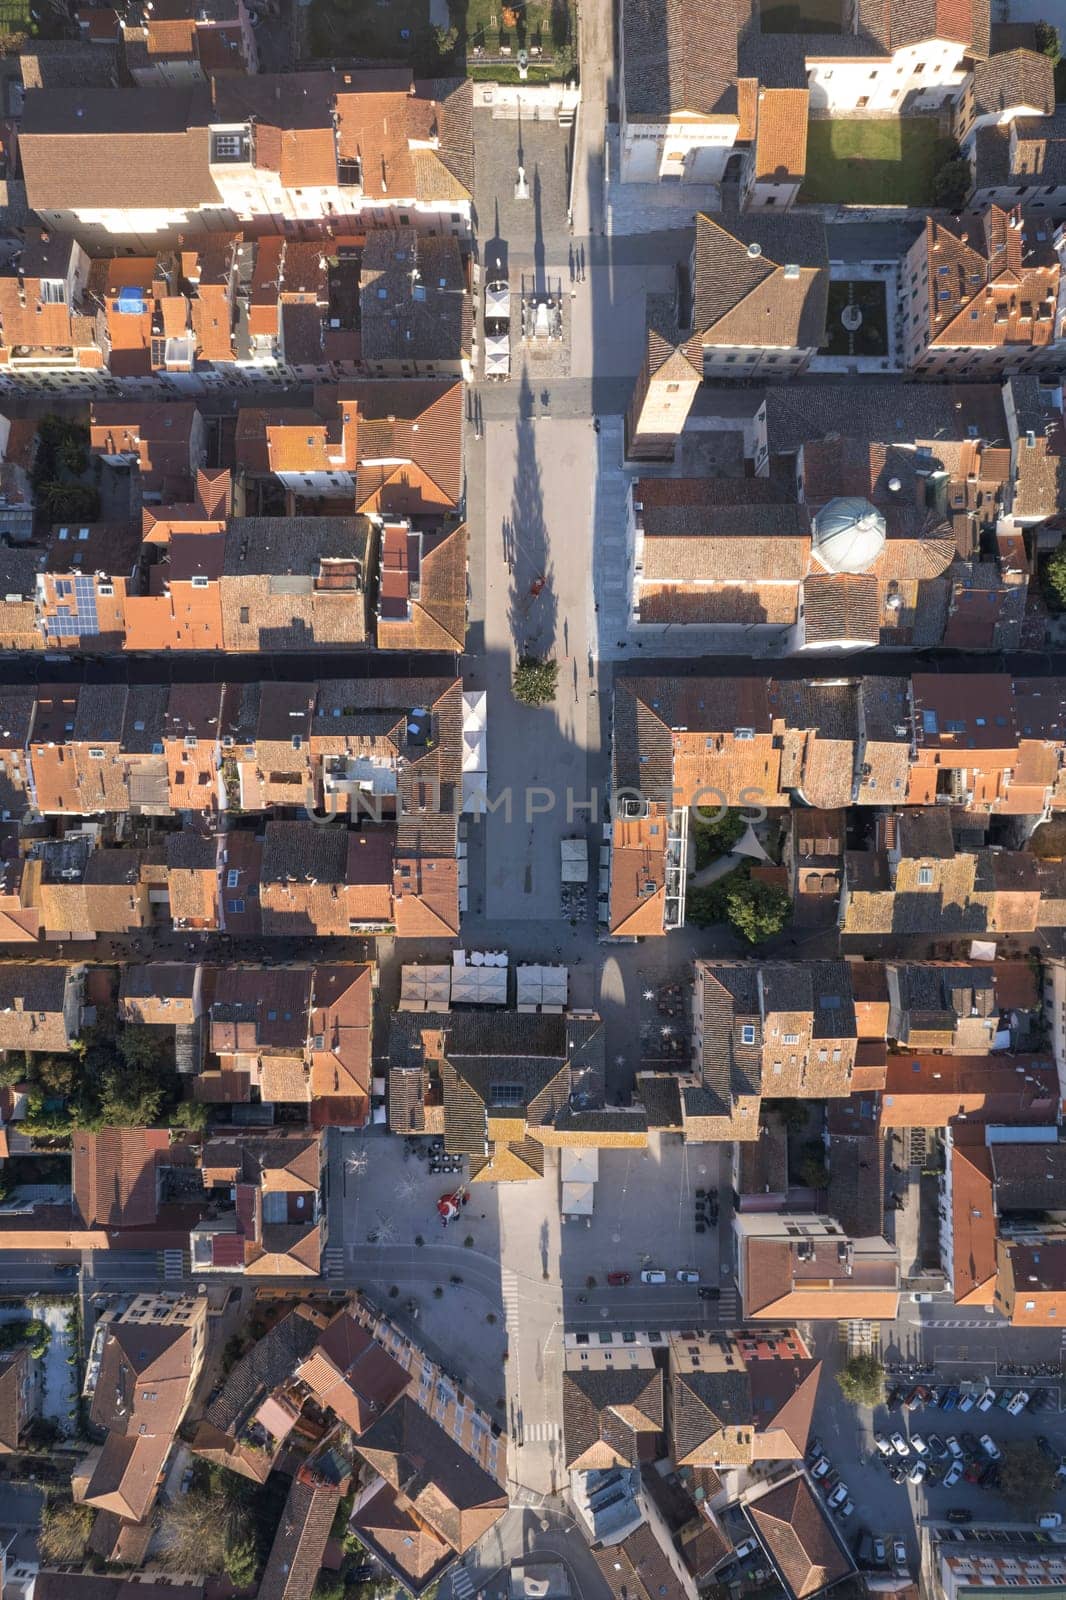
x,y
862,1381
535,680
1027,1477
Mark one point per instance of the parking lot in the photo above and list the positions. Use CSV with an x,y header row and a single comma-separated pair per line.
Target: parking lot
x,y
888,1509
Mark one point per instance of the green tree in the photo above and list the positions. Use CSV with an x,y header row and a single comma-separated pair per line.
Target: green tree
x,y
242,1563
191,1114
813,1172
37,1335
862,1381
69,501
793,1113
1027,1477
1055,573
56,1075
12,1070
1048,42
757,910
952,184
329,1586
534,681
717,836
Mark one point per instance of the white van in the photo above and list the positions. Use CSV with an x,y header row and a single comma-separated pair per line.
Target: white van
x,y
653,1275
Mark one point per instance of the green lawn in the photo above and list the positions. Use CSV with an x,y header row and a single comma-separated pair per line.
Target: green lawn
x,y
372,28
800,16
889,162
871,337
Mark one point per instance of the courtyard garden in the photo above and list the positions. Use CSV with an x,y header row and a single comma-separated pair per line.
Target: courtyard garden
x,y
484,38
887,161
856,319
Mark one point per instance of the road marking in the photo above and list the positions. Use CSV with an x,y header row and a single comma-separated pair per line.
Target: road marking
x,y
960,1324
173,1263
540,1432
462,1583
333,1261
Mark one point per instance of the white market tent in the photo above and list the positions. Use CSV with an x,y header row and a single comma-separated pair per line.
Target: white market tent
x,y
579,1164
579,1199
479,986
542,986
424,988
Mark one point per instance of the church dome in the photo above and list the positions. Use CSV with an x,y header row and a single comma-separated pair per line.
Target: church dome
x,y
848,535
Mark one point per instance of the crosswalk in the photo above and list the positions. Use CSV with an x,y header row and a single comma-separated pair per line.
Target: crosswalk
x,y
463,1584
333,1261
727,1307
540,1432
957,1322
174,1264
509,1292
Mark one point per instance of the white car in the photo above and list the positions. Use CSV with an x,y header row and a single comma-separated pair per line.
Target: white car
x,y
743,1550
838,1496
652,1275
952,1475
954,1446
686,1275
820,1468
968,1401
883,1444
918,1445
917,1472
990,1448
1050,1519
987,1400
900,1445
1019,1403
844,1511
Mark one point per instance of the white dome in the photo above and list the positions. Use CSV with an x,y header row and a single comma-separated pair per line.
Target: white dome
x,y
849,535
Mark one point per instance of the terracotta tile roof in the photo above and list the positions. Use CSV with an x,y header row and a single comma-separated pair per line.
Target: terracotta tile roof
x,y
674,63
781,137
638,1568
1013,78
796,1533
987,287
14,1368
299,1546
611,1417
638,875
837,607
115,1175
760,284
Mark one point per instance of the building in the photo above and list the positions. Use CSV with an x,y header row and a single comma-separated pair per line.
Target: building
x,y
416,319
40,1006
280,149
984,296
171,44
1006,85
142,1370
799,1267
613,1418
1031,1279
738,1398
299,1546
116,1176
1022,164
277,1226
19,1397
795,1531
497,1085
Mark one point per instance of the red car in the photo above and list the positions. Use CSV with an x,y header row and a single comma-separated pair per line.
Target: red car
x,y
617,1280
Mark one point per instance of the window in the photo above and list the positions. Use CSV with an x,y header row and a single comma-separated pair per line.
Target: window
x,y
505,1094
233,877
246,615
747,1033
925,877
672,388
53,291
96,755
236,906
1030,1305
199,582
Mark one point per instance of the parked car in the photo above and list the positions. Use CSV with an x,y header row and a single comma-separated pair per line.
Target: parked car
x,y
883,1444
653,1275
899,1552
815,1448
990,1447
1019,1403
880,1553
918,1445
900,1445
838,1496
65,1269
949,1399
1004,1398
987,1400
954,1446
953,1474
968,1401
897,1471
844,1511
917,1472
821,1467
970,1444
960,1514
973,1472
919,1396
618,1280
708,1294
744,1549
938,1447
894,1398
1050,1519
989,1478
686,1275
